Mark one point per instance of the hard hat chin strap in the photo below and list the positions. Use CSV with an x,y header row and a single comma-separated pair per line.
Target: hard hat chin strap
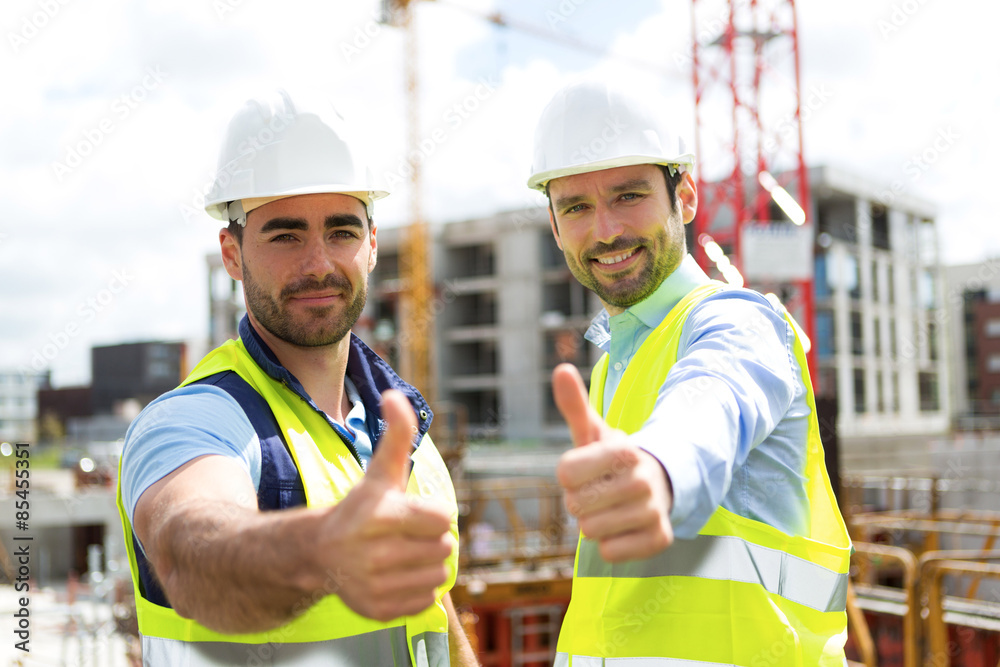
x,y
235,213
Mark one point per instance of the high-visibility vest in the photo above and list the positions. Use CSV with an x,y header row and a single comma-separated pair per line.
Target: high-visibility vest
x,y
741,592
329,632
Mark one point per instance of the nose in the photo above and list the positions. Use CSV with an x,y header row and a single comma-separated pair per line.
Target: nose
x,y
317,261
607,226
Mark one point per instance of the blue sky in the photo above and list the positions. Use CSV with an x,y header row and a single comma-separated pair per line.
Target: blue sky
x,y
109,246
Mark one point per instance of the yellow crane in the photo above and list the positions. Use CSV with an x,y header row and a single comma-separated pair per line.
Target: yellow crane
x,y
416,313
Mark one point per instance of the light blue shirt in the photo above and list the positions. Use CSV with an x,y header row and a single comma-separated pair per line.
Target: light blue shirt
x,y
198,420
731,420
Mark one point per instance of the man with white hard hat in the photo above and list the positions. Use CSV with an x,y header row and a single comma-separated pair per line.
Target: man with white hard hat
x,y
271,513
709,531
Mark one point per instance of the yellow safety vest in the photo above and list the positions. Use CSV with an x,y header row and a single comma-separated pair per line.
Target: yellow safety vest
x,y
329,632
741,592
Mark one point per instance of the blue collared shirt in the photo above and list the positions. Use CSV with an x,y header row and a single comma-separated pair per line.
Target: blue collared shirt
x,y
731,420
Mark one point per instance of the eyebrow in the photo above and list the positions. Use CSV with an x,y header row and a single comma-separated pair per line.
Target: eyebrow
x,y
627,186
284,223
343,220
634,184
566,202
301,224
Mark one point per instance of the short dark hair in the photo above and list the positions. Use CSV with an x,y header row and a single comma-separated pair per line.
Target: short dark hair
x,y
672,180
236,229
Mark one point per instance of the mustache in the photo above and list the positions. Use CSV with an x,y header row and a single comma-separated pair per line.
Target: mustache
x,y
617,245
307,285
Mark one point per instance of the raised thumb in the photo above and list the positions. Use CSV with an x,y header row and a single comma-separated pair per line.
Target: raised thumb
x,y
390,462
571,399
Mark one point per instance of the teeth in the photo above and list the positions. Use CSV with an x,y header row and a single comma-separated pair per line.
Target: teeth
x,y
616,258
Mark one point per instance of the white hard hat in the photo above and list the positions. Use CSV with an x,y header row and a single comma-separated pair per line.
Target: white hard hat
x,y
592,126
273,150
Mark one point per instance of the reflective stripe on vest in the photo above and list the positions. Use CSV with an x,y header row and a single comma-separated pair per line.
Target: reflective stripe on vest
x,y
727,557
328,629
563,660
742,592
381,648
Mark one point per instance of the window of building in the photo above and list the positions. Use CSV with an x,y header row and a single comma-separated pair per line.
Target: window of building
x,y
853,275
471,261
827,385
892,339
891,283
928,296
875,282
158,369
552,256
821,281
880,226
387,267
826,343
838,218
857,339
477,309
928,392
879,393
895,392
859,390
483,409
932,340
877,330
993,327
474,358
567,297
993,363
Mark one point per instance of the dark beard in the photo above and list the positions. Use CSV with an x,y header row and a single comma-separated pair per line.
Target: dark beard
x,y
327,330
623,294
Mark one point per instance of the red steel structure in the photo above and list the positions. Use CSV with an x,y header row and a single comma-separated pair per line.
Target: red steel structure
x,y
748,120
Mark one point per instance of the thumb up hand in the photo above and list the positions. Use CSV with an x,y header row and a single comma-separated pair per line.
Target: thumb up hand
x,y
388,550
620,494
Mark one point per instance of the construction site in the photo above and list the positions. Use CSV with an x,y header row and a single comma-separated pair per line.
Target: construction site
x,y
901,358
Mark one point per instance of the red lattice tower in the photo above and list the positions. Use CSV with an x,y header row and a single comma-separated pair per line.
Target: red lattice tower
x,y
748,120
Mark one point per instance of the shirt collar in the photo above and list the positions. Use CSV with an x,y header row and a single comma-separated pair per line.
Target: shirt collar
x,y
369,374
653,309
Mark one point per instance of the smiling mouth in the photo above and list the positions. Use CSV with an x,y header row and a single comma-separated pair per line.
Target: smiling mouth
x,y
314,297
615,259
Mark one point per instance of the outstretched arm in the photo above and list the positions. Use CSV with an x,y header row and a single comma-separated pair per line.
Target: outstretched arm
x,y
235,569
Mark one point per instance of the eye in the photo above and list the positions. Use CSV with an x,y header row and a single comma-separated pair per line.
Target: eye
x,y
631,196
343,234
574,209
282,238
